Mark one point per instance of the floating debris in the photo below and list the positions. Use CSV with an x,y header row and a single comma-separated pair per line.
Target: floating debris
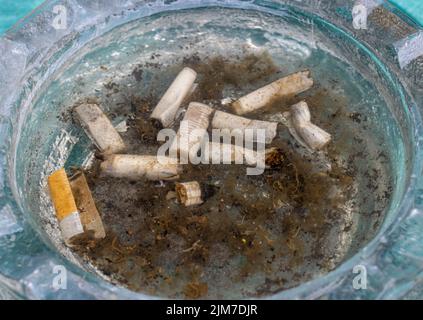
x,y
280,226
195,290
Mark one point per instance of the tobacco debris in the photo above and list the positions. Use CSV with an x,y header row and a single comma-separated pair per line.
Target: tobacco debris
x,y
274,226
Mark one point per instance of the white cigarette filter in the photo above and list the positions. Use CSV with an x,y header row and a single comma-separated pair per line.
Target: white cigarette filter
x,y
99,128
218,153
168,106
192,130
303,130
287,86
238,126
189,193
300,113
141,166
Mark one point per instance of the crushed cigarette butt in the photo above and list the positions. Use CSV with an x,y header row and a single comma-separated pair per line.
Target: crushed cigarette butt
x,y
303,130
90,218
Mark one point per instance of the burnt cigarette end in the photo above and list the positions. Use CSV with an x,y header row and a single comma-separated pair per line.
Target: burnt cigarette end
x,y
156,124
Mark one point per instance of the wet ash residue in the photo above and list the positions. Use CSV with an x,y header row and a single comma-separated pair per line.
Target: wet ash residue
x,y
253,235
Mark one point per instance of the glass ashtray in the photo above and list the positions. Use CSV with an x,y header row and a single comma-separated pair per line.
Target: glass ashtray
x,y
366,59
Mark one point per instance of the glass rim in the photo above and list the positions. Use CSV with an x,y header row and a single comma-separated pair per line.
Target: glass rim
x,y
403,211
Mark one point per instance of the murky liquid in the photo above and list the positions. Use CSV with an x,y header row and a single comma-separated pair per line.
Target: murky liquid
x,y
254,235
258,234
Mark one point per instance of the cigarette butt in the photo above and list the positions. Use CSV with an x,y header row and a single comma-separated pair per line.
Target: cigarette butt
x,y
181,87
192,130
90,218
300,113
238,125
99,128
189,193
313,136
141,166
216,152
64,205
286,119
287,86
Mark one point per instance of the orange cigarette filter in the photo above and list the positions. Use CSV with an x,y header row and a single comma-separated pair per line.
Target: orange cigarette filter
x,y
61,194
65,206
